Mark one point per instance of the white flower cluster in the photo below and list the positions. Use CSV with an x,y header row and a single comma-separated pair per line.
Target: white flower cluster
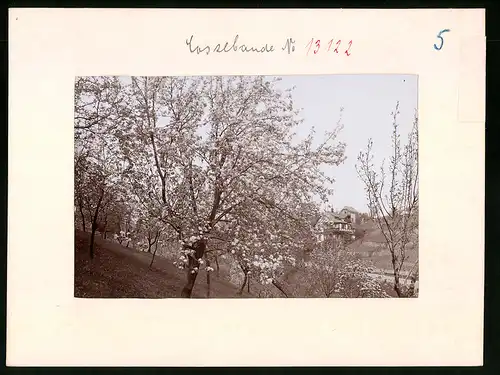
x,y
142,246
122,237
267,267
191,240
183,262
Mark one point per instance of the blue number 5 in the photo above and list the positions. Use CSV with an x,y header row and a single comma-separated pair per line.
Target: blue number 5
x,y
441,38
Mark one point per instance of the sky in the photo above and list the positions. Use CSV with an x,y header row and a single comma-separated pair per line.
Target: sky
x,y
368,101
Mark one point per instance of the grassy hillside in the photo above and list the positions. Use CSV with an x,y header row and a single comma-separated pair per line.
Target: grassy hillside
x,y
120,272
117,272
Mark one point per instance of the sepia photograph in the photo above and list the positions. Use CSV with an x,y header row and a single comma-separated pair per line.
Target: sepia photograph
x,y
316,177
301,186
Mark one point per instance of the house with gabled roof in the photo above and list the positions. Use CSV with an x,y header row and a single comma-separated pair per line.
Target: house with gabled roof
x,y
333,226
350,214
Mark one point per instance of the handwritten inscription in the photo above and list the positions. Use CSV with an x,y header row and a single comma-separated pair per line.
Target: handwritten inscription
x,y
441,39
289,46
333,46
314,46
228,47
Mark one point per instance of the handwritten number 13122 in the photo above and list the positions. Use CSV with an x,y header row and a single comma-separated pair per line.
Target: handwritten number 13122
x,y
317,45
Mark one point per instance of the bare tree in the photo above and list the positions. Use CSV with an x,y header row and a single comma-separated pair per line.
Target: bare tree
x,y
392,195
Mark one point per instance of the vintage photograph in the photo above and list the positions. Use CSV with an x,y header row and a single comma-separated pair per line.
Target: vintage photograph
x,y
246,186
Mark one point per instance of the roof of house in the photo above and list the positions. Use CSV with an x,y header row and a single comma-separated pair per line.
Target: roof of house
x,y
336,220
343,215
332,217
349,208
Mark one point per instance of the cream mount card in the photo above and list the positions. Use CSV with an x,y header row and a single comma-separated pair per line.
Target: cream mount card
x,y
75,73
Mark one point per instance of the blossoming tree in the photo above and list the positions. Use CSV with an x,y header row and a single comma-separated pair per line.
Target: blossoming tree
x,y
98,111
218,154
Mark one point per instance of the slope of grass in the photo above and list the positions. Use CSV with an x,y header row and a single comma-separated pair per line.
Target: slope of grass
x,y
120,272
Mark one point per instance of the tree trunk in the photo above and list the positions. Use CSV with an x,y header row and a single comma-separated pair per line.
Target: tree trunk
x,y
248,284
92,238
188,287
80,204
217,264
397,286
153,258
94,224
243,285
191,274
280,288
397,289
208,277
152,241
